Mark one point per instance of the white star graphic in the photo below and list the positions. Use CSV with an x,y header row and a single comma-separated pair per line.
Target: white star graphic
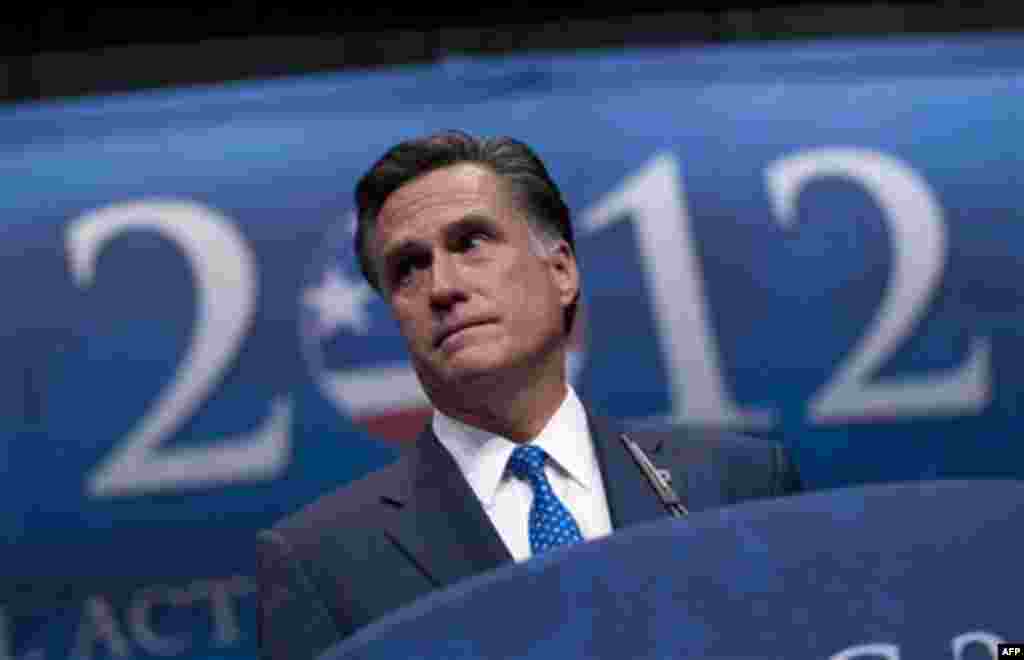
x,y
339,302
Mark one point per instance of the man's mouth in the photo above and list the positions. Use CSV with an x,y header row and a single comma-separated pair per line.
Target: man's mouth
x,y
451,332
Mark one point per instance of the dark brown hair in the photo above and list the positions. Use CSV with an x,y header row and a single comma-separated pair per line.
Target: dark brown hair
x,y
514,162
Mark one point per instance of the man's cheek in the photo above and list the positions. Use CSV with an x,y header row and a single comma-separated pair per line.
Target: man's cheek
x,y
412,335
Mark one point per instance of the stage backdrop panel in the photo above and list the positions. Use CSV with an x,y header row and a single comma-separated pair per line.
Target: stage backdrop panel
x,y
818,243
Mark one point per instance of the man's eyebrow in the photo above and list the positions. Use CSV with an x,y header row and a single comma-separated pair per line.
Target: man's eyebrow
x,y
405,248
469,222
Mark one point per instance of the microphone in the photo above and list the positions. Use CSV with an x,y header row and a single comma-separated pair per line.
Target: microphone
x,y
659,479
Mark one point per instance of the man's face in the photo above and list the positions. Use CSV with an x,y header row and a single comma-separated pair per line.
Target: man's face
x,y
476,303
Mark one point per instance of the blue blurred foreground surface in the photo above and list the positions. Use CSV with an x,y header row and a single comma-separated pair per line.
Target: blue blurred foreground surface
x,y
914,566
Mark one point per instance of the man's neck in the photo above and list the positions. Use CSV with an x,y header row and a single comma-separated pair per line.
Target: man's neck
x,y
518,416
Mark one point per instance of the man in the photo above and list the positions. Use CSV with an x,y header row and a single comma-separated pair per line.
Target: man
x,y
471,246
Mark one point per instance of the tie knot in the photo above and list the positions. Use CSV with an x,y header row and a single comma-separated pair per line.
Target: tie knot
x,y
527,462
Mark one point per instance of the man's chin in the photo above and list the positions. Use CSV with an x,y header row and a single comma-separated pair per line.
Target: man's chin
x,y
463,374
474,374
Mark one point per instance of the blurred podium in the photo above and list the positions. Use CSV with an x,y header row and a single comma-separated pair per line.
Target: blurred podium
x,y
901,571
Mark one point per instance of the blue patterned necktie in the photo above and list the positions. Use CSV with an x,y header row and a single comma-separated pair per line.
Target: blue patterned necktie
x,y
551,524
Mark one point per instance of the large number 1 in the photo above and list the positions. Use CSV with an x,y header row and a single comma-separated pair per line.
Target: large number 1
x,y
225,277
653,199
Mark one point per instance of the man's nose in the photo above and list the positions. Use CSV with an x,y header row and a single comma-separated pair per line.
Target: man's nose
x,y
447,284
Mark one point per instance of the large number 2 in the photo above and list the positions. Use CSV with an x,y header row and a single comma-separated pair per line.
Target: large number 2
x,y
653,199
918,239
225,277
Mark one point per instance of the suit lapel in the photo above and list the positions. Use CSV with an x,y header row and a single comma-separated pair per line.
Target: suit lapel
x,y
631,498
440,523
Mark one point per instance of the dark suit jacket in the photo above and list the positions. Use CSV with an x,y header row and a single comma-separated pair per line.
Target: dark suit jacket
x,y
379,543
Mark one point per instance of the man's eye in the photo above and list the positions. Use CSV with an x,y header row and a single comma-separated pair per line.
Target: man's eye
x,y
473,240
400,273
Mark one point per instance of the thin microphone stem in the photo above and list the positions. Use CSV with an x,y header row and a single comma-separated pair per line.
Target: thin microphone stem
x,y
661,486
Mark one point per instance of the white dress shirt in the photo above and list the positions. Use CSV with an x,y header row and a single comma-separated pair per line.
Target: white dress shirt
x,y
572,469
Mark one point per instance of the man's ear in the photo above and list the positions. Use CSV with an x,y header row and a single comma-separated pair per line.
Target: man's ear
x,y
564,272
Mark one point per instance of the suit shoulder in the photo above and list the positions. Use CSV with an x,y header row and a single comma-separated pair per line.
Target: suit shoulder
x,y
748,466
349,506
705,440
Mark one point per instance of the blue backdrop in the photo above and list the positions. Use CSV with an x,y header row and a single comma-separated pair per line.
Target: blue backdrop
x,y
818,243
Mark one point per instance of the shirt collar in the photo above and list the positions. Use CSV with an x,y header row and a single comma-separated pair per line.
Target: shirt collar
x,y
482,455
